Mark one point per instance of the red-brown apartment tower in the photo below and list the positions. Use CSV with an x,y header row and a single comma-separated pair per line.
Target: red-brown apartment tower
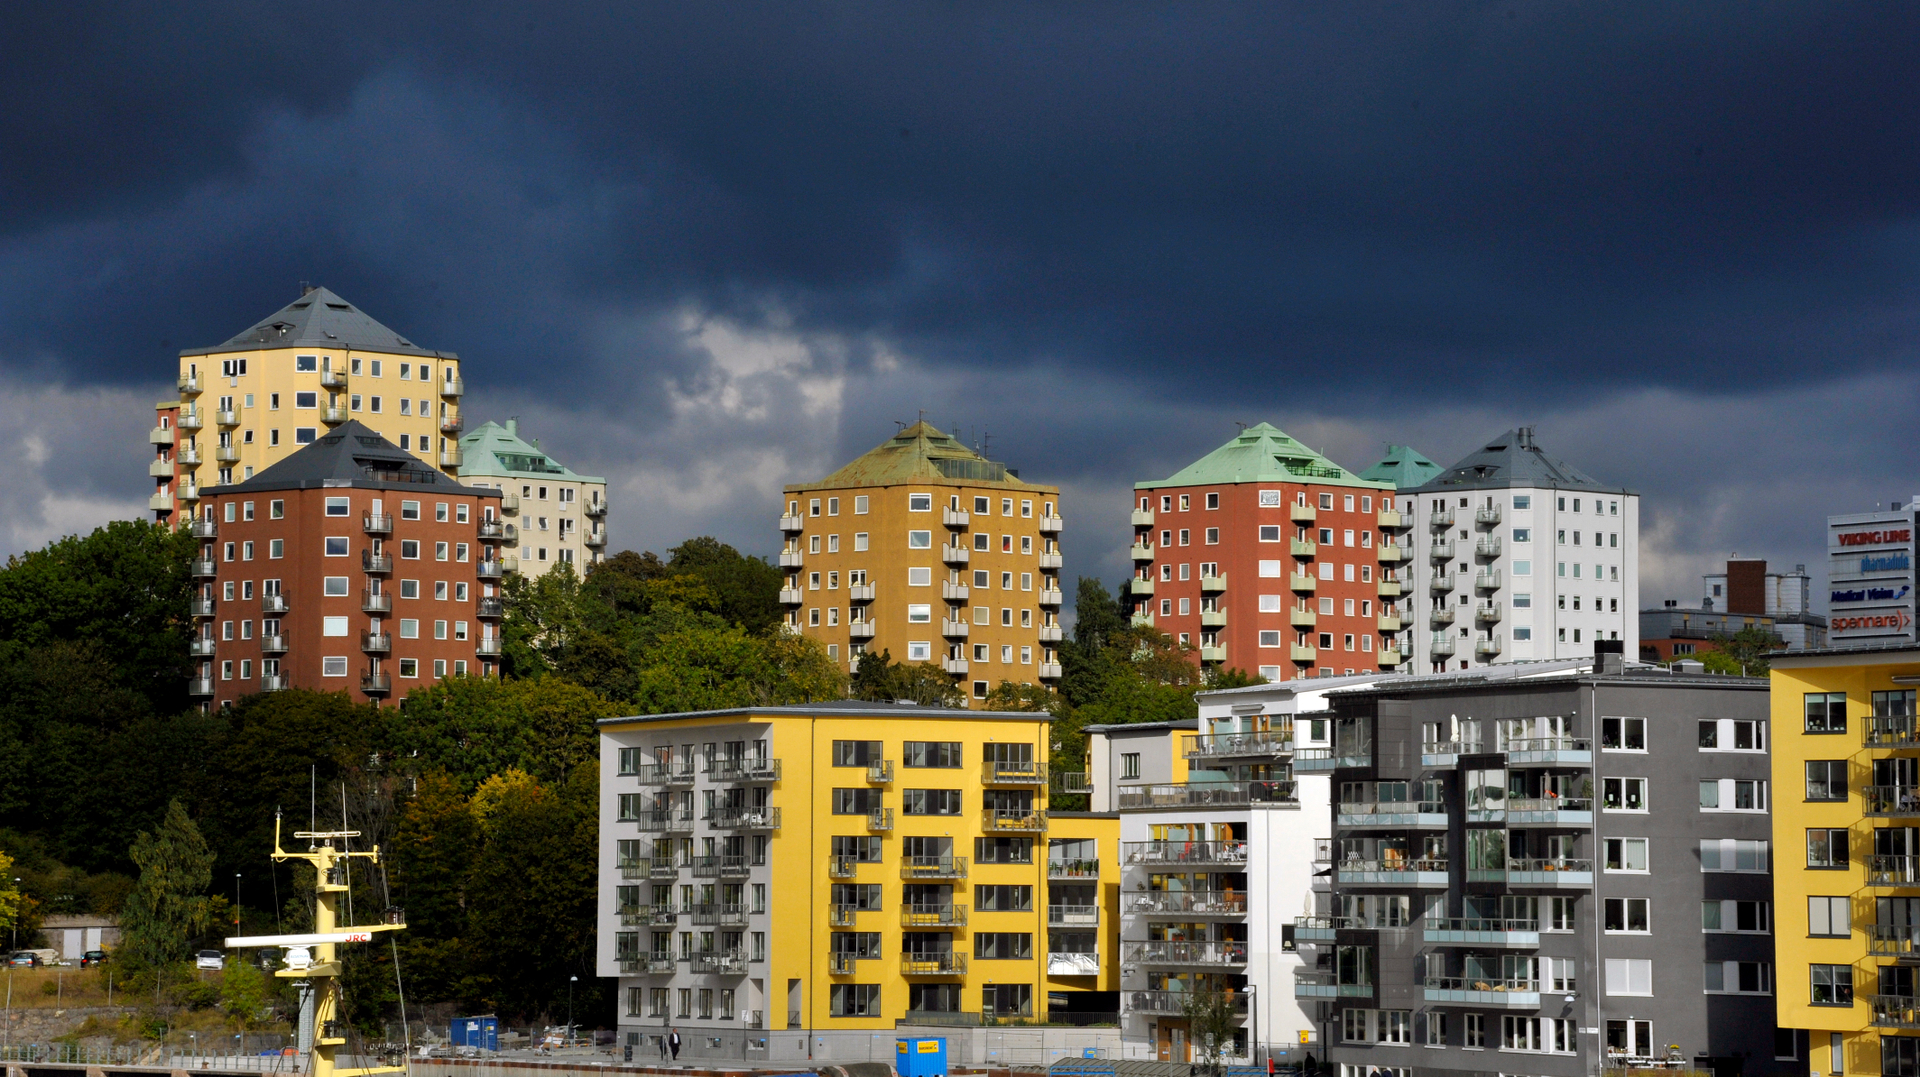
x,y
1268,557
350,565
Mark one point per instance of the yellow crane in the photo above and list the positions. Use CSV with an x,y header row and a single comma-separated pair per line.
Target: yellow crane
x,y
311,956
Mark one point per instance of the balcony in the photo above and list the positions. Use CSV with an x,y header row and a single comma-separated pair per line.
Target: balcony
x,y
1487,549
226,454
1073,868
1013,820
745,819
490,570
160,469
1299,618
200,686
1474,931
226,417
201,647
717,914
187,456
791,596
955,666
1891,801
376,602
1279,794
1303,583
1389,554
451,425
1213,618
274,682
843,867
1142,620
954,629
490,609
1388,622
1426,874
955,555
948,964
663,868
1305,653
1550,811
1489,612
1388,657
1487,581
1256,744
274,643
510,504
1141,552
1440,551
1051,562
664,821
453,385
1231,855
1547,751
792,559
1487,517
860,630
450,458
719,962
1213,584
376,564
1183,904
1884,870
1488,646
1895,1011
955,519
1557,874
1440,646
189,419
954,592
1221,954
381,523
948,915
1302,514
200,608
1303,548
1391,520
1013,772
1499,994
1900,941
1387,589
1052,525
203,568
880,819
333,415
719,866
1073,916
792,524
1446,753
1327,760
1143,517
744,769
492,531
1325,984
665,773
1440,519
188,384
187,491
859,592
376,684
1174,1002
920,868
160,435
1051,633
274,604
1440,583
1396,814
1051,596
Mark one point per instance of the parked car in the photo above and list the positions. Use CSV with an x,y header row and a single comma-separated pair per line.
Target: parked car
x,y
93,957
24,959
210,959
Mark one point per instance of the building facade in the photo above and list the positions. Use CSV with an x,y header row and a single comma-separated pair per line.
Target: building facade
x,y
349,566
565,518
1848,892
260,397
1218,844
927,550
922,878
1546,868
1517,555
1870,580
1267,556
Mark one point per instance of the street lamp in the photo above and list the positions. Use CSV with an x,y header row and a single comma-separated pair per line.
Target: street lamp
x,y
236,900
571,980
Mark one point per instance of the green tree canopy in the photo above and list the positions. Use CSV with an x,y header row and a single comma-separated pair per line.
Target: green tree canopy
x,y
168,905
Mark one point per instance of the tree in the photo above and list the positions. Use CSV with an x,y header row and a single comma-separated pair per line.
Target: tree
x,y
1744,653
746,589
1213,1017
9,895
1097,614
168,905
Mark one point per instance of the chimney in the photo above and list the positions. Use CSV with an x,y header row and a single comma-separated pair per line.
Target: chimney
x,y
306,289
1610,656
513,426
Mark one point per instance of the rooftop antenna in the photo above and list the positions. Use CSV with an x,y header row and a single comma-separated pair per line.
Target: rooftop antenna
x,y
1241,425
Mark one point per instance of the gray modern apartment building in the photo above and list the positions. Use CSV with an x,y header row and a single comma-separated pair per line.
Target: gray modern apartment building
x,y
1546,868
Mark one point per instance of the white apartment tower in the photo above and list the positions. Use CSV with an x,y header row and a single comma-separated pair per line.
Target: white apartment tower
x,y
1517,555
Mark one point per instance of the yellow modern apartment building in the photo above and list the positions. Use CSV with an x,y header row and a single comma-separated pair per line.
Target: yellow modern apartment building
x,y
794,882
1846,819
929,551
256,399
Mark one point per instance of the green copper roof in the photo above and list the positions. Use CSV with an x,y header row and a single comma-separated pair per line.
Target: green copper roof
x,y
1403,467
922,454
1263,453
494,450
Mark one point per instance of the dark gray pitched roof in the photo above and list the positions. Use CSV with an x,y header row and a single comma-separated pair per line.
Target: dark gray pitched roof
x,y
321,319
351,455
1513,459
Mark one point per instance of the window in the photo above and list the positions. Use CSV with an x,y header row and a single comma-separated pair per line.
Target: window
x,y
1626,854
1736,917
1827,917
1727,794
1826,778
1747,978
919,502
930,802
1629,976
1623,794
852,1000
931,753
1826,712
409,628
306,400
1129,765
333,626
1826,847
1623,734
919,540
1271,533
919,613
1626,915
1476,1030
334,586
855,801
1559,914
855,753
1003,945
1003,898
1832,984
1003,850
1728,854
409,510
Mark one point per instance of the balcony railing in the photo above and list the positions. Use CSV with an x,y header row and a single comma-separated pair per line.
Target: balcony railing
x,y
273,682
954,592
1478,931
1073,869
723,962
1324,983
955,518
948,915
1212,584
791,524
1560,873
955,555
1509,994
1895,1011
1207,795
490,609
1885,870
724,915
376,684
745,819
664,820
1894,940
933,964
745,769
1259,743
1229,853
1073,916
933,867
1891,731
880,819
203,568
860,592
1174,1002
1013,820
273,643
594,506
1224,954
1533,751
845,915
722,866
201,647
1052,525
376,563
880,771
1392,813
487,645
955,629
1161,903
1422,872
200,686
376,642
204,529
1000,772
1891,800
681,773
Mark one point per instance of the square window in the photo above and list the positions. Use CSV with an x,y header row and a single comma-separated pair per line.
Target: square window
x,y
334,586
410,667
409,628
333,666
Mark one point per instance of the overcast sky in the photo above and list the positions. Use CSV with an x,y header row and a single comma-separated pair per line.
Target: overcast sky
x,y
707,249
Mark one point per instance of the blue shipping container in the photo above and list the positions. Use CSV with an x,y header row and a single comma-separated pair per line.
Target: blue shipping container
x,y
920,1058
481,1032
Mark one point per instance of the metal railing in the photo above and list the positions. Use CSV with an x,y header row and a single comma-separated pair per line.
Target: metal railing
x,y
1206,794
724,818
1891,799
880,771
1258,742
1184,852
1894,940
721,961
1187,903
933,867
1174,1002
948,915
1883,870
1019,820
1185,953
933,964
1073,915
726,865
1393,807
1002,772
714,913
1073,869
1891,731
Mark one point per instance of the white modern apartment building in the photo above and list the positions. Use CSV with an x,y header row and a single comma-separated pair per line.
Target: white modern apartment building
x,y
1517,555
1219,845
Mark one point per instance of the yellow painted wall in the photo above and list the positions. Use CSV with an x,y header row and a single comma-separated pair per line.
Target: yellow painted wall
x,y
1794,882
888,557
